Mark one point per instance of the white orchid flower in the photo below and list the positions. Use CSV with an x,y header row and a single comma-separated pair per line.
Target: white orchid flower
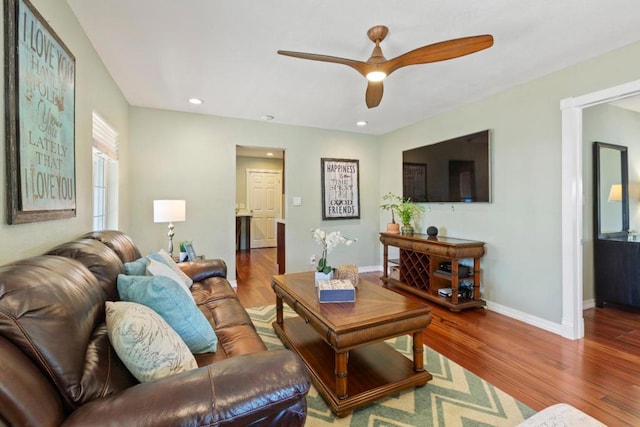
x,y
328,241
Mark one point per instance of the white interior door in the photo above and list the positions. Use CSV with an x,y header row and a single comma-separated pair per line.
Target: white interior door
x,y
264,193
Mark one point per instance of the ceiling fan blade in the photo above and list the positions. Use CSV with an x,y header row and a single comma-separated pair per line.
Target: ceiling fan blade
x,y
374,94
359,66
440,51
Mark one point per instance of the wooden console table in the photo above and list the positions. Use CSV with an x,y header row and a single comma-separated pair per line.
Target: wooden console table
x,y
419,267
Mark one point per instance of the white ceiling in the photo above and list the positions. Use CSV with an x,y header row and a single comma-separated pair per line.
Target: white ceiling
x,y
162,52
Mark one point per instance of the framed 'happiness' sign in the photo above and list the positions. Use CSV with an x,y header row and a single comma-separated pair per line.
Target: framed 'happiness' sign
x,y
340,189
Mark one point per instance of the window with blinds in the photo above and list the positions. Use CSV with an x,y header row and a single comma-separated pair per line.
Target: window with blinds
x,y
105,175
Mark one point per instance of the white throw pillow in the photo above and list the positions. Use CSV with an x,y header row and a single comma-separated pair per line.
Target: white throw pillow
x,y
164,257
155,268
145,343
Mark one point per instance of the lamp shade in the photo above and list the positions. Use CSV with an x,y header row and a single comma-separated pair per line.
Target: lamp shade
x,y
169,210
615,193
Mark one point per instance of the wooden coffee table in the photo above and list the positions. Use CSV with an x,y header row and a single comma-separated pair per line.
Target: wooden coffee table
x,y
343,345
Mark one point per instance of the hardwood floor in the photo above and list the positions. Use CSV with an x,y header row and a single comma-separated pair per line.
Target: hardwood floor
x,y
253,273
599,374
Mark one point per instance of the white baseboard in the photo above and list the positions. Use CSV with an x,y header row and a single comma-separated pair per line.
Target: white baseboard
x,y
547,325
529,319
370,269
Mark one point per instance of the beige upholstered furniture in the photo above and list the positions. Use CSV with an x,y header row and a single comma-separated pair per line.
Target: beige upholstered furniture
x,y
561,415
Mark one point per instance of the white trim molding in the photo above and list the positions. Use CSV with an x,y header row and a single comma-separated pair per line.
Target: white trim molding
x,y
572,200
529,319
370,269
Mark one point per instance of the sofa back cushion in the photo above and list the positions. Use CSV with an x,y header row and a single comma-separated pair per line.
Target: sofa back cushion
x,y
52,309
102,261
119,242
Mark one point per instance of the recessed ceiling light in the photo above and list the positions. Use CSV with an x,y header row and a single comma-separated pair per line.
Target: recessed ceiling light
x,y
196,101
361,123
267,117
269,154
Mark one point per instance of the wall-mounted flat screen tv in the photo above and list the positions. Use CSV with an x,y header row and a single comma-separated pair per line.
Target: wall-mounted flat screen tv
x,y
456,170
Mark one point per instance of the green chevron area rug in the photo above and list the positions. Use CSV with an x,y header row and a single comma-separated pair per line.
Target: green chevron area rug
x,y
454,397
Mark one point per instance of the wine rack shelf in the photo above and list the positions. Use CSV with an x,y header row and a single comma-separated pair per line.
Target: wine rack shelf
x,y
420,262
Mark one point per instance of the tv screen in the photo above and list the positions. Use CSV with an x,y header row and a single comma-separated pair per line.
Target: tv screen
x,y
456,170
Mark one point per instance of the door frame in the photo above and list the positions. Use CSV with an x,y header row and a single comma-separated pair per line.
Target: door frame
x,y
572,201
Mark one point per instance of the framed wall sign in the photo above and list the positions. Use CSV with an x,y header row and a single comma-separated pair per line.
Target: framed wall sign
x,y
340,189
39,118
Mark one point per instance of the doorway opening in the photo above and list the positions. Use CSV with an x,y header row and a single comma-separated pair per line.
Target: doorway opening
x,y
572,201
260,196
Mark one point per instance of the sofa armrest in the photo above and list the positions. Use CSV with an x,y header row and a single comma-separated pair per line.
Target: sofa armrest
x,y
201,270
269,387
26,396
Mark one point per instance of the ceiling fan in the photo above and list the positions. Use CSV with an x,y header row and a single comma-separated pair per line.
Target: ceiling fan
x,y
377,67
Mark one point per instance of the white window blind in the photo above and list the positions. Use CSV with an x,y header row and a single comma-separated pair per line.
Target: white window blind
x,y
105,138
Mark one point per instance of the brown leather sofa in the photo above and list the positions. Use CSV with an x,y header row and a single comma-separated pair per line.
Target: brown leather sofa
x,y
57,366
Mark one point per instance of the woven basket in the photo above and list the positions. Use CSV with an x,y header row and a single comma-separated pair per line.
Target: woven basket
x,y
347,272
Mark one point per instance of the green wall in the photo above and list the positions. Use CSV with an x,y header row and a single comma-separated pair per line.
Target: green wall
x,y
95,91
522,268
193,157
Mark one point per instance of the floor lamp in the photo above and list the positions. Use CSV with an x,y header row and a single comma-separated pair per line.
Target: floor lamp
x,y
169,211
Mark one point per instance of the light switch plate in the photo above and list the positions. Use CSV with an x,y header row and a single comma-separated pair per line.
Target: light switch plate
x,y
297,201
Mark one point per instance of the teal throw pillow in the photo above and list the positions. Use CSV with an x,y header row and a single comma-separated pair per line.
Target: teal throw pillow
x,y
137,267
165,297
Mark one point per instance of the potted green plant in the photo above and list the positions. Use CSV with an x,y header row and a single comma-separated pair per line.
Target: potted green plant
x,y
390,202
183,252
408,211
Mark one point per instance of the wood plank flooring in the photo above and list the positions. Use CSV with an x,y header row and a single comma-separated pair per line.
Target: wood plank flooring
x,y
599,374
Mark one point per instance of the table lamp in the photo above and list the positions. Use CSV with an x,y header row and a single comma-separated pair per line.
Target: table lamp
x,y
615,193
169,211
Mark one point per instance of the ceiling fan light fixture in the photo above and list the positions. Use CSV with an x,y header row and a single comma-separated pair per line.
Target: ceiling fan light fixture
x,y
377,67
376,76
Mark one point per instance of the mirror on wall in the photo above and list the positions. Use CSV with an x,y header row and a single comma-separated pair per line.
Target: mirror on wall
x,y
611,186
